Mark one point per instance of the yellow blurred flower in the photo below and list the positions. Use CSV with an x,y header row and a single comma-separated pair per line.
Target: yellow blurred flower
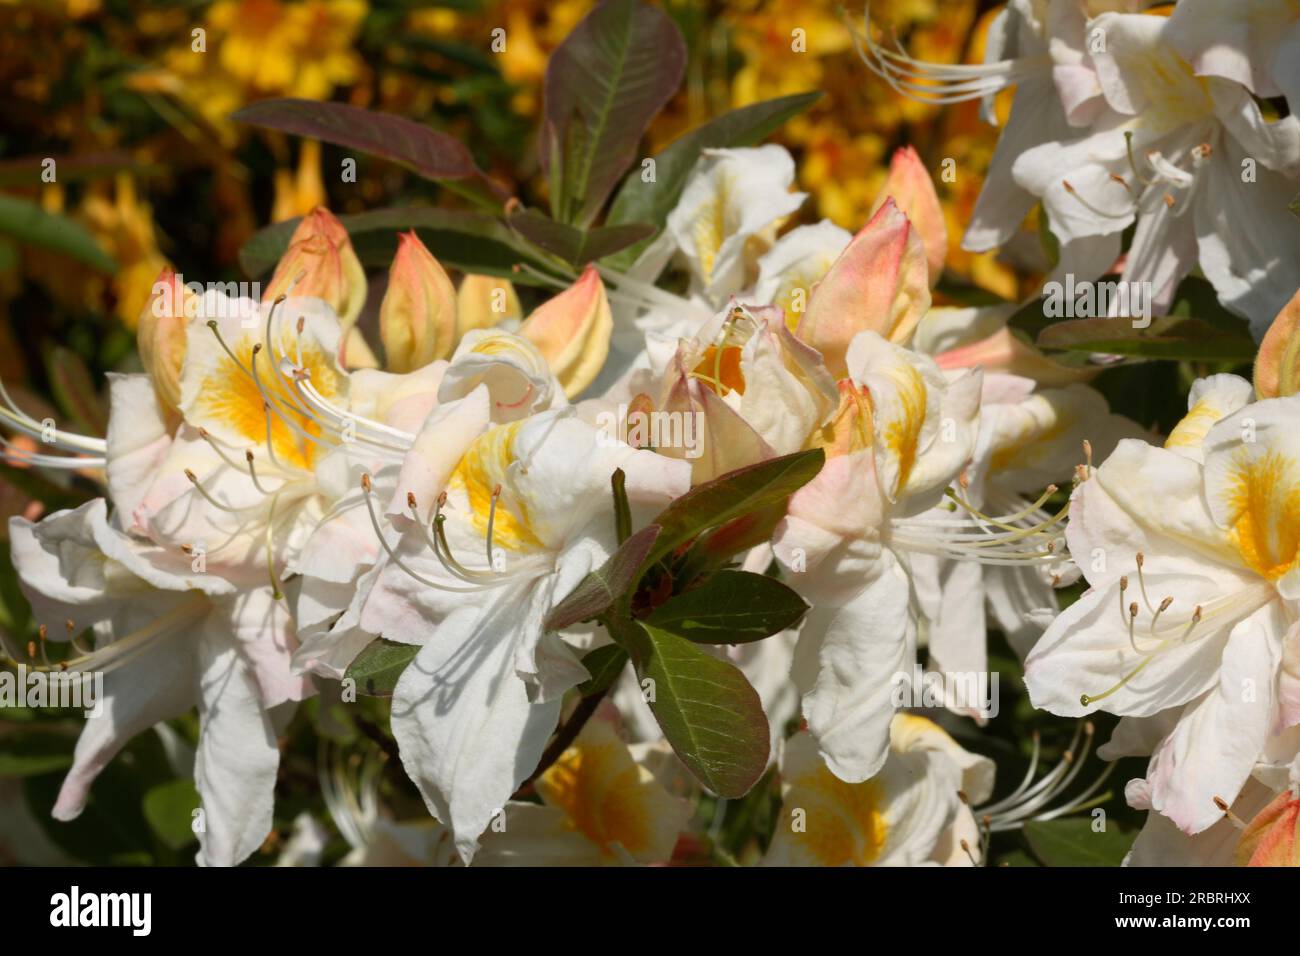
x,y
257,48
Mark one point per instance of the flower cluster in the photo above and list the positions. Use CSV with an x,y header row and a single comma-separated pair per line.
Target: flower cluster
x,y
700,497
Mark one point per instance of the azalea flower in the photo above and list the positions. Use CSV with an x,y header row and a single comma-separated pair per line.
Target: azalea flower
x,y
602,804
164,642
503,533
1190,552
911,812
901,435
1111,127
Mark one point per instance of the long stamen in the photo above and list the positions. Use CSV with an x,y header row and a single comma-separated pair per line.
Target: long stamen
x,y
198,486
1096,211
392,555
252,473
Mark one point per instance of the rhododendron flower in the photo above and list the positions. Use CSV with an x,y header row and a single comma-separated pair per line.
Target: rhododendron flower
x,y
909,813
1191,554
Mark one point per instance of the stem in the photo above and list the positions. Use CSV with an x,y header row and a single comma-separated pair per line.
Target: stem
x,y
564,737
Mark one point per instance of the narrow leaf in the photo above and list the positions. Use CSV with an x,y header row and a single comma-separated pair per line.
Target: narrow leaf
x,y
414,146
30,224
467,241
573,245
731,607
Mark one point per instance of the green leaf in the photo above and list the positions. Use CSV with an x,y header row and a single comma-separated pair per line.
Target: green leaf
x,y
30,224
1169,337
709,713
169,809
33,756
740,492
1073,842
573,245
600,589
604,664
468,241
414,146
731,607
640,201
604,83
377,669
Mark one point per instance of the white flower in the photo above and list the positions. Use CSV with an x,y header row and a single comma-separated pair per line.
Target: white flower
x,y
1191,553
902,434
525,514
909,813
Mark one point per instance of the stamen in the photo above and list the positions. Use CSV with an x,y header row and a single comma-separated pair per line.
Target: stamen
x,y
1232,818
392,555
1128,147
198,486
1069,188
252,472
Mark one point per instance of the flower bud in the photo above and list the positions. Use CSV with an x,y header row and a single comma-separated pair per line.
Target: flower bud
x,y
321,263
417,319
572,331
1277,367
1271,839
911,187
160,336
485,301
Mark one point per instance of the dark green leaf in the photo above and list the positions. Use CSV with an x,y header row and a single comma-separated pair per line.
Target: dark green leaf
x,y
573,245
710,714
1170,337
1073,842
604,664
468,241
169,808
650,202
598,591
604,83
30,224
731,607
412,145
377,669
